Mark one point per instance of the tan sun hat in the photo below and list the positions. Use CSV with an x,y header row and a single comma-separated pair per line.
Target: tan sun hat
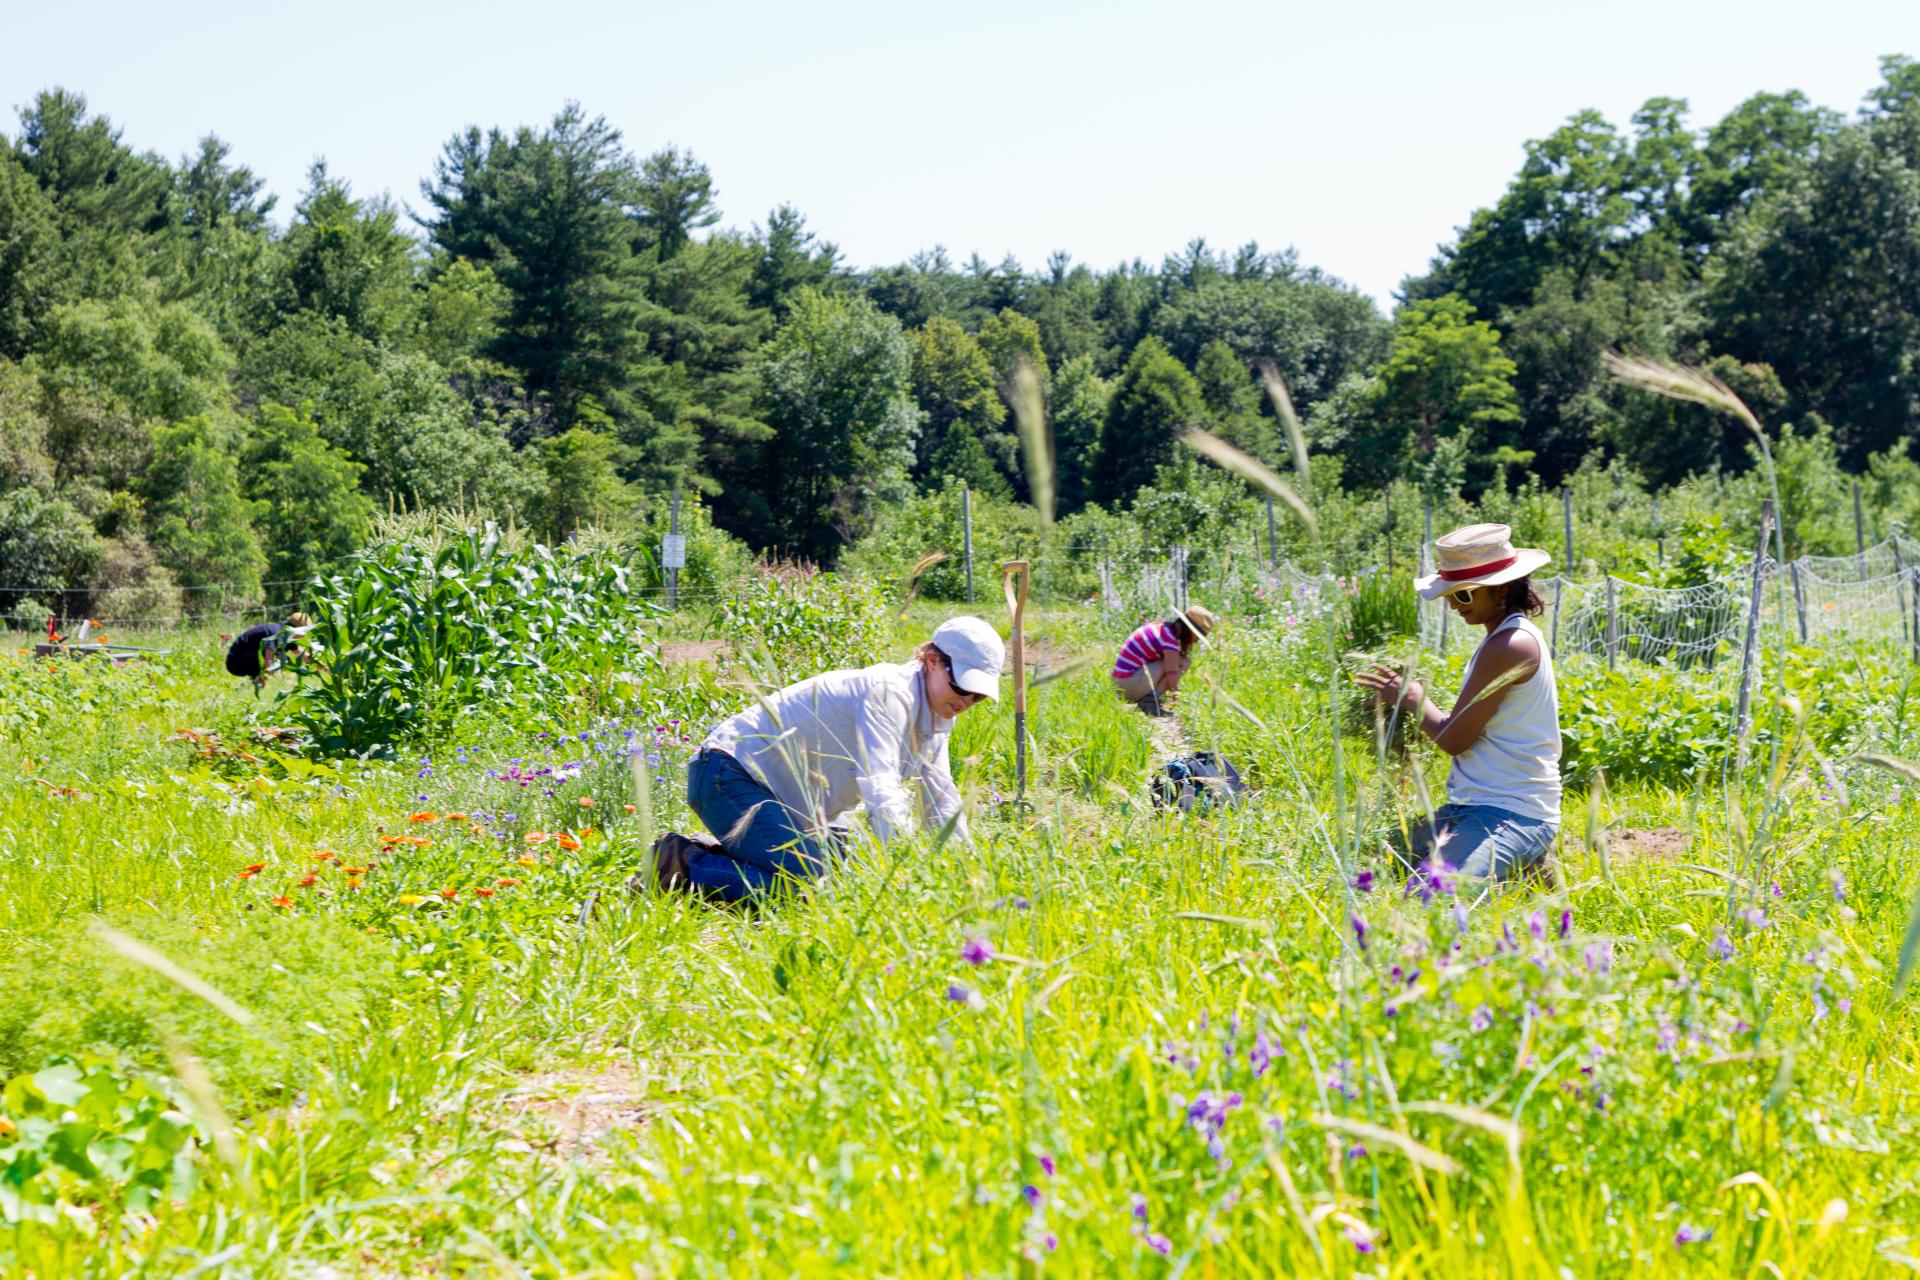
x,y
1200,619
1480,555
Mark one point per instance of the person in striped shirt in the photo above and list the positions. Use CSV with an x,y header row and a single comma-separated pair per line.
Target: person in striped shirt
x,y
1147,672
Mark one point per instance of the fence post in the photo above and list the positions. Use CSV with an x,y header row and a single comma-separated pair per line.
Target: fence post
x,y
1750,652
1859,525
966,535
1900,584
1613,624
1177,563
1913,594
1659,534
1799,598
1553,637
1566,519
1273,556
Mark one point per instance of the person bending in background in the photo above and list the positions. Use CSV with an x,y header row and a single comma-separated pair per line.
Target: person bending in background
x,y
1503,791
771,781
258,651
1147,673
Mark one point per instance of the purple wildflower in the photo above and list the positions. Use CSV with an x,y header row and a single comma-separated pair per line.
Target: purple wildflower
x,y
1460,918
1600,957
1755,917
1430,878
1690,1234
1537,925
960,993
1360,932
1482,1019
1722,944
1139,1207
1159,1243
1566,921
1361,1239
1363,881
1034,1196
976,951
1261,1054
1358,1151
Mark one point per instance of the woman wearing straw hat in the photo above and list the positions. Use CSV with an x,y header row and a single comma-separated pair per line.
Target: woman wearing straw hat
x,y
1503,792
1147,672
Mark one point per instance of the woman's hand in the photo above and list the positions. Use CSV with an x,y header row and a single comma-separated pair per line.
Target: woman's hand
x,y
1390,687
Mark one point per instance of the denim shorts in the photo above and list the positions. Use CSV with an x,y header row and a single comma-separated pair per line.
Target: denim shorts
x,y
1481,840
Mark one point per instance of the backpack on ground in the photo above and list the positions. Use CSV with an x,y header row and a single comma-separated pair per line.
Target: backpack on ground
x,y
1202,780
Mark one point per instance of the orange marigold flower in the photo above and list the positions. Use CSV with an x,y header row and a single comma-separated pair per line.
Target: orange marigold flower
x,y
507,882
586,802
323,855
353,882
538,837
354,871
246,873
424,817
6,1128
283,901
484,892
387,842
453,817
418,842
567,841
527,860
631,809
449,894
308,881
587,831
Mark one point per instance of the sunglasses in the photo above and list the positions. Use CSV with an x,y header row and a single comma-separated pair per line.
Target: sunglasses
x,y
1465,594
946,664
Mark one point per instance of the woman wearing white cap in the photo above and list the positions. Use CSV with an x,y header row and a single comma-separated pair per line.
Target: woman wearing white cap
x,y
1503,792
771,781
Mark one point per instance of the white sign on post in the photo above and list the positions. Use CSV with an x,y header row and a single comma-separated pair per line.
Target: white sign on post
x,y
673,551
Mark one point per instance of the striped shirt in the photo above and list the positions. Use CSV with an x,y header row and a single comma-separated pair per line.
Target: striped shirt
x,y
1149,644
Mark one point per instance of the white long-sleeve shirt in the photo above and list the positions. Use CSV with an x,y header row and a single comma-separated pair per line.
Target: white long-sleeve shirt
x,y
826,744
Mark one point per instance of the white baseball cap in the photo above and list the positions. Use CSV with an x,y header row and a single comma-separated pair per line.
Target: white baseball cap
x,y
975,650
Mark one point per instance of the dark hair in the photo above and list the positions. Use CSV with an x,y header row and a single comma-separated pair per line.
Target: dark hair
x,y
1522,598
1184,629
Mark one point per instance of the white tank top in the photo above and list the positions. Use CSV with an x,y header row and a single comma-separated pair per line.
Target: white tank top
x,y
1515,765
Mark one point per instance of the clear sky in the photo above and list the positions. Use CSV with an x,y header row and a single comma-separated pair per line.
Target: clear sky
x,y
1359,133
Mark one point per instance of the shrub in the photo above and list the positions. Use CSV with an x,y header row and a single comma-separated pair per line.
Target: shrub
x,y
415,633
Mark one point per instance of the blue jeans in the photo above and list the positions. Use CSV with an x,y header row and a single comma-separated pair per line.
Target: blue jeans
x,y
764,841
1481,840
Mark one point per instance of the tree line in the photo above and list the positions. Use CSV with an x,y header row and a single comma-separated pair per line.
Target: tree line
x,y
561,330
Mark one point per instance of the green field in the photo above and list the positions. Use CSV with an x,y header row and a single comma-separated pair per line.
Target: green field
x,y
1202,1044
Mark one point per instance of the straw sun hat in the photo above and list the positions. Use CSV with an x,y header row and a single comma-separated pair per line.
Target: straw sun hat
x,y
1480,555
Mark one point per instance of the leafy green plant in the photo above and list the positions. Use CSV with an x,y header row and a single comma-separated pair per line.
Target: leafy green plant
x,y
1381,607
409,638
77,1132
